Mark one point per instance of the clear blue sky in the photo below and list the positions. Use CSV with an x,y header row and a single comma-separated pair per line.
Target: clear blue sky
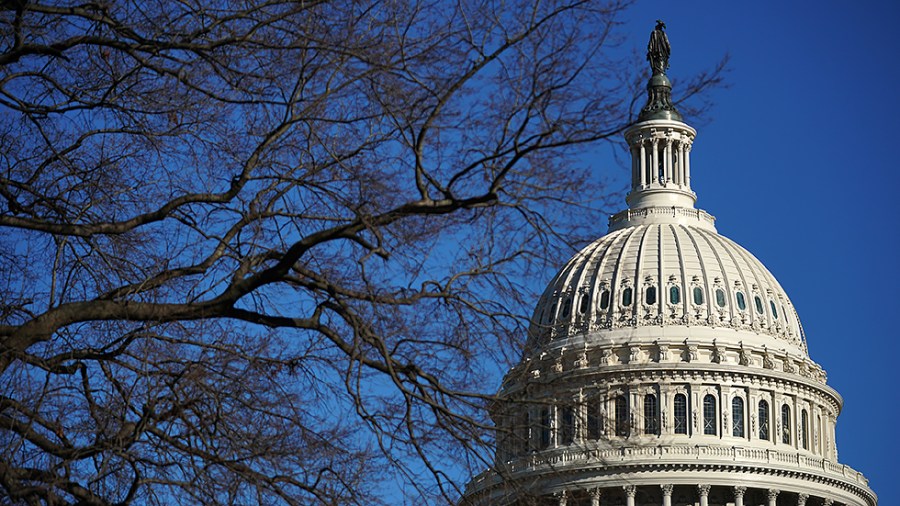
x,y
799,166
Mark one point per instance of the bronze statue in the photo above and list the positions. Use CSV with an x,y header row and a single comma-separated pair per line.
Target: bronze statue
x,y
658,49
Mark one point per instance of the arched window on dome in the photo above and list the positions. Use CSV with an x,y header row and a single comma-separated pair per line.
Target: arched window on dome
x,y
785,424
552,314
585,303
567,307
804,429
764,420
709,415
698,295
604,299
737,417
626,296
720,297
741,302
566,425
544,429
650,295
651,415
681,409
674,295
621,416
759,306
774,311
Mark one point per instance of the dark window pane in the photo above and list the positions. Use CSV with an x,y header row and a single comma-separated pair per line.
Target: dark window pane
x,y
567,307
804,430
764,420
680,406
585,302
786,424
604,299
593,421
709,415
737,414
621,416
774,311
674,295
742,304
567,426
720,297
651,415
759,306
698,295
545,428
651,295
626,297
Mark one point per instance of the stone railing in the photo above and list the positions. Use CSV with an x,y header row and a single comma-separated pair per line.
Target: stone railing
x,y
573,458
675,212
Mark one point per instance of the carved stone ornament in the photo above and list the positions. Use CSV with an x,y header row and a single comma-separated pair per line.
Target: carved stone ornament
x,y
662,352
745,357
667,489
635,356
703,490
630,490
772,493
739,491
609,358
801,499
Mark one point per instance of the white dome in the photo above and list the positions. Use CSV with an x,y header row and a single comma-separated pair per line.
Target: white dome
x,y
666,275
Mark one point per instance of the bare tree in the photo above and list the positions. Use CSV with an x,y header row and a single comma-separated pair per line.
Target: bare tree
x,y
262,252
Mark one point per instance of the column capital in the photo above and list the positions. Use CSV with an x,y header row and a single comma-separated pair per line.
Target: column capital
x,y
773,493
667,489
801,499
703,490
594,492
630,490
739,491
828,501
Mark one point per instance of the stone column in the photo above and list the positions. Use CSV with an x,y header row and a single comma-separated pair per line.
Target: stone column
x,y
687,165
667,161
595,496
703,490
630,492
739,492
667,494
773,496
655,169
643,165
680,170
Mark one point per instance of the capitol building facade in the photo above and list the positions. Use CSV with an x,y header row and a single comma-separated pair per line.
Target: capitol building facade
x,y
665,365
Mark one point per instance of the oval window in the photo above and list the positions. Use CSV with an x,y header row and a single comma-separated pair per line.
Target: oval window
x,y
674,295
552,313
650,296
604,299
720,297
626,297
759,307
585,301
567,307
698,295
742,304
774,311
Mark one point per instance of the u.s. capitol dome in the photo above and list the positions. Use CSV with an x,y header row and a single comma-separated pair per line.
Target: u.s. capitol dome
x,y
665,364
